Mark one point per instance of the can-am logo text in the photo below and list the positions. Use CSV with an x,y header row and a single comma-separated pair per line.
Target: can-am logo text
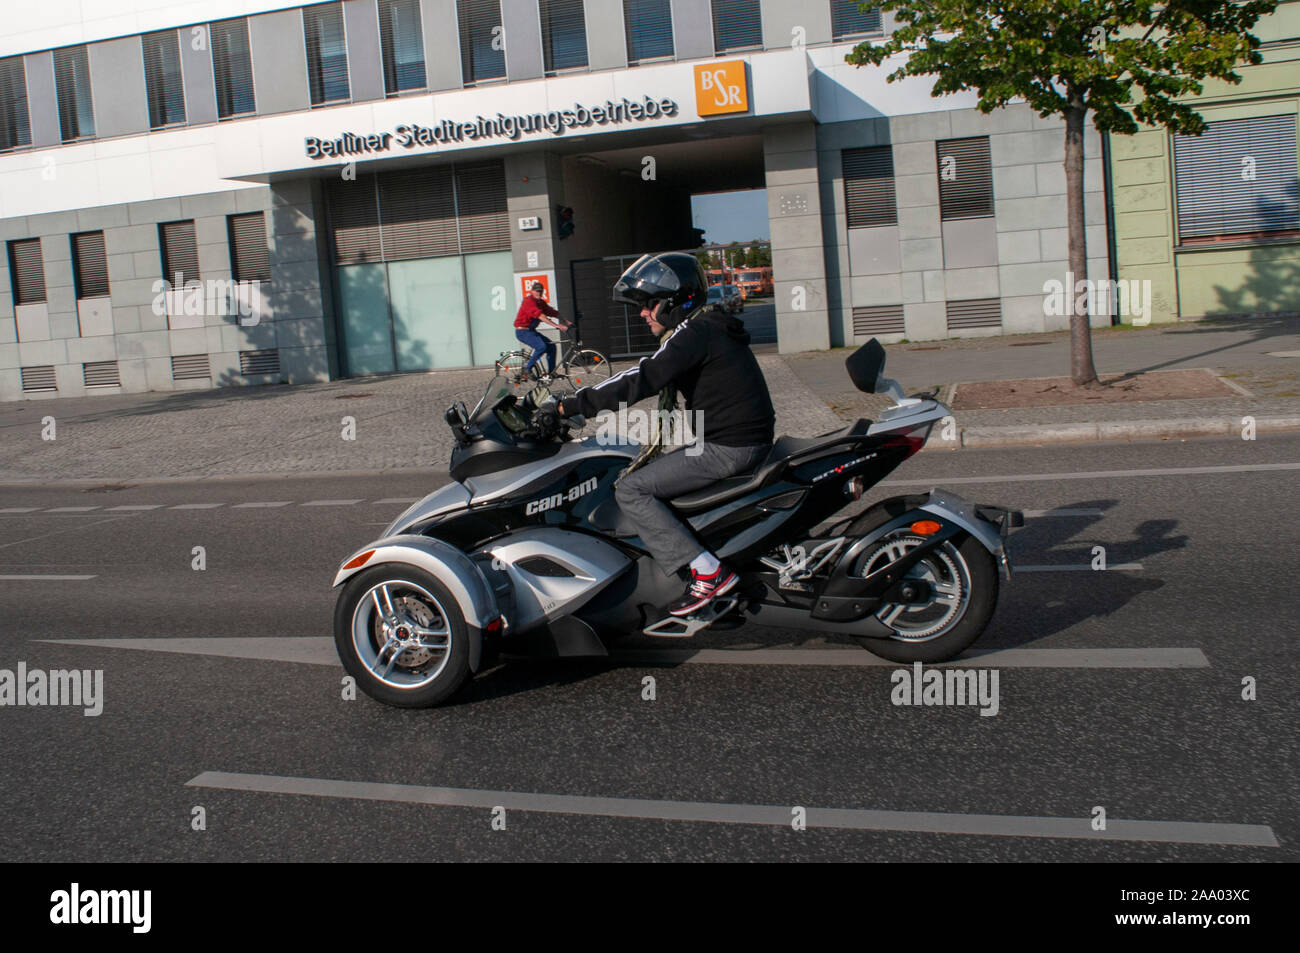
x,y
559,499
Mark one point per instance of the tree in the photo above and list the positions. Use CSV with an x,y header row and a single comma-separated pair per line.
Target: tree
x,y
1122,61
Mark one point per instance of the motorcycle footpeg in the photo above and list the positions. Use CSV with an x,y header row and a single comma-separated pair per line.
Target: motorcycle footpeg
x,y
674,627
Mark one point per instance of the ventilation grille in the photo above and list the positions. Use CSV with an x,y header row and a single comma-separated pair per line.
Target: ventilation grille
x,y
190,367
259,362
976,313
100,374
878,319
40,377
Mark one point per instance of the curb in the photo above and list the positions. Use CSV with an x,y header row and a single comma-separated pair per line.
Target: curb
x,y
1106,431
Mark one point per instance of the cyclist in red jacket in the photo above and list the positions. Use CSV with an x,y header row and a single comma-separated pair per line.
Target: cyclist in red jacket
x,y
533,311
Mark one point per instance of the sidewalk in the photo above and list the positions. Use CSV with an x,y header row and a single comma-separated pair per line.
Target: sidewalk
x,y
1258,359
284,431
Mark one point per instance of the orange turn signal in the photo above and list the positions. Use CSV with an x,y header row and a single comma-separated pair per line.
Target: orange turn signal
x,y
925,527
356,562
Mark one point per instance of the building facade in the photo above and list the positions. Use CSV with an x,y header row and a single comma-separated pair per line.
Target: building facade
x,y
198,194
1213,221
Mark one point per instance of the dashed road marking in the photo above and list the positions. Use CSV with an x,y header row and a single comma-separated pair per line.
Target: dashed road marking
x,y
47,577
331,502
1084,567
134,506
195,506
261,506
20,509
72,509
398,499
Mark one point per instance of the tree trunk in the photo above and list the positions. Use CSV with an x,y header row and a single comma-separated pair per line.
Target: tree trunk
x,y
1082,370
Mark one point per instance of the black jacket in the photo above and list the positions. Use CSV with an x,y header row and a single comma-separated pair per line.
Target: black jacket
x,y
708,360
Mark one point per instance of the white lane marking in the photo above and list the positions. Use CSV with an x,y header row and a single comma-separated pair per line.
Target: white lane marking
x,y
195,506
1085,567
45,577
776,815
72,509
20,509
134,506
1001,658
1065,511
1283,353
1097,474
69,527
398,499
331,502
252,506
316,650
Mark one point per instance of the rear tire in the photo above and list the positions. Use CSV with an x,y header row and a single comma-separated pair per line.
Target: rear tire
x,y
963,563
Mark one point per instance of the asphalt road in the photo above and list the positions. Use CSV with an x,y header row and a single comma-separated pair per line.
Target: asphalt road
x,y
1119,689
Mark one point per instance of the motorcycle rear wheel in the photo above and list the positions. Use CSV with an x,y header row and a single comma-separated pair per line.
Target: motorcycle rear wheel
x,y
964,579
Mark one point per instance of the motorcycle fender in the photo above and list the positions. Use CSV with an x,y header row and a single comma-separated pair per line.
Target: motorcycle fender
x,y
950,507
448,565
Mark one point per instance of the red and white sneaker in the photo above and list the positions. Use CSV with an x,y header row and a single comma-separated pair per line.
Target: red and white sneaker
x,y
703,590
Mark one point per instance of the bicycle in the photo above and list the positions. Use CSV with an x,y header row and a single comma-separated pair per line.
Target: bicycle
x,y
575,365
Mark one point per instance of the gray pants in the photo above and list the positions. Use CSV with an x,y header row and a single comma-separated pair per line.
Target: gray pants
x,y
640,495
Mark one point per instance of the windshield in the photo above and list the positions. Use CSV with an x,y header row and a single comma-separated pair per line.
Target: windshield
x,y
497,388
715,292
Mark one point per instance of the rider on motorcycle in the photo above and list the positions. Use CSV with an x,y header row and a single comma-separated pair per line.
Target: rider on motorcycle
x,y
704,355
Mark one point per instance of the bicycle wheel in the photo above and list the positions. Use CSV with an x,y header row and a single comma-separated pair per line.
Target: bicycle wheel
x,y
511,363
588,367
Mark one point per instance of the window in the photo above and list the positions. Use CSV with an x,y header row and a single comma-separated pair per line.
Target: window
x,y
27,271
564,34
848,20
482,40
248,255
232,68
737,25
72,85
965,178
1237,180
162,78
14,128
649,25
327,53
89,265
180,254
869,186
403,45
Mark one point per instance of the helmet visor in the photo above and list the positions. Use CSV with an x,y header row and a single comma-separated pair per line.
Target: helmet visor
x,y
646,279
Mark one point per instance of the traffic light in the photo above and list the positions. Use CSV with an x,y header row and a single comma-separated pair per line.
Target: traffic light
x,y
565,227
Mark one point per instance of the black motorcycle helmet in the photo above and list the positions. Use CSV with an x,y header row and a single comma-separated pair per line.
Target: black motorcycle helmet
x,y
673,277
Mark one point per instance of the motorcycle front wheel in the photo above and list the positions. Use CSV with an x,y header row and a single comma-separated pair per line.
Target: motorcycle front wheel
x,y
402,636
962,577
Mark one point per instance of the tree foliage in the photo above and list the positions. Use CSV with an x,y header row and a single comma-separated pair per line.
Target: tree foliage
x,y
1126,62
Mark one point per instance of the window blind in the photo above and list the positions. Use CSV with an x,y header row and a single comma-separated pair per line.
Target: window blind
x,y
402,42
482,40
72,87
90,265
15,129
737,24
649,26
965,178
27,271
180,253
162,78
232,68
327,54
869,198
248,253
564,34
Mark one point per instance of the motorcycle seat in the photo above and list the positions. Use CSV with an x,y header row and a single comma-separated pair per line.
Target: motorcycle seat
x,y
781,453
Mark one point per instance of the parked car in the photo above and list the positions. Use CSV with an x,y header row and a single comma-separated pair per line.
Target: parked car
x,y
732,294
722,300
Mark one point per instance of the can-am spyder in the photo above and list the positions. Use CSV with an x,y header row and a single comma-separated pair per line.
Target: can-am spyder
x,y
526,551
